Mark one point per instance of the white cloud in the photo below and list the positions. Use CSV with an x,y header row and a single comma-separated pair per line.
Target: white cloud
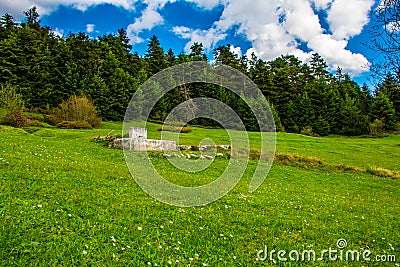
x,y
58,32
275,28
149,19
90,28
209,38
44,7
321,4
347,18
335,53
236,50
206,4
301,21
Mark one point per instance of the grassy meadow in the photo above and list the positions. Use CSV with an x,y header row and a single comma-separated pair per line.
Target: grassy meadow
x,y
68,201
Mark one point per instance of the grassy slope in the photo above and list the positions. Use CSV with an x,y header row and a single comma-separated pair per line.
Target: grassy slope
x,y
87,195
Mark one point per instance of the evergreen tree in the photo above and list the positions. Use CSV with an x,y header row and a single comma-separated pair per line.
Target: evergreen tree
x,y
391,88
382,109
155,58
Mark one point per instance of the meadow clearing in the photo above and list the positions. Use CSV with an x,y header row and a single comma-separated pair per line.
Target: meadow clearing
x,y
68,201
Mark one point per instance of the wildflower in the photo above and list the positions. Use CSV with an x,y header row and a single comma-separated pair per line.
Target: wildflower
x,y
190,259
161,227
84,252
140,228
39,206
69,215
128,246
171,222
169,262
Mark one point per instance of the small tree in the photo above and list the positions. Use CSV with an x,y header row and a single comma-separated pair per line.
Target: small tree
x,y
12,106
76,109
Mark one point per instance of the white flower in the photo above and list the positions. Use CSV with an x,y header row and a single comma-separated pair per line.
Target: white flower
x,y
128,246
169,262
234,257
69,215
161,227
39,206
179,242
171,222
190,259
84,252
140,228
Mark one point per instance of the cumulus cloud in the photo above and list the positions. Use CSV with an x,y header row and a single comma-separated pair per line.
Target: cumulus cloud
x,y
279,27
149,19
90,28
236,50
347,18
206,4
209,38
58,32
44,7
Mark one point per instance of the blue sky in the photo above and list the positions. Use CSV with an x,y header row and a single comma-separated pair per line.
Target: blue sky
x,y
335,29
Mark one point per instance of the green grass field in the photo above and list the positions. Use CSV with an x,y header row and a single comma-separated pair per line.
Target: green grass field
x,y
67,201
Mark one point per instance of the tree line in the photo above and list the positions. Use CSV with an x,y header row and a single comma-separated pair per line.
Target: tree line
x,y
304,97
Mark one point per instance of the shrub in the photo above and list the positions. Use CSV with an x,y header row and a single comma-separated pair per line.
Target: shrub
x,y
308,131
12,107
174,129
77,109
377,127
74,125
397,128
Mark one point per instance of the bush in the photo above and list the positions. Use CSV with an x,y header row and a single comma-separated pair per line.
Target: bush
x,y
397,127
77,109
377,127
74,125
174,129
12,107
308,131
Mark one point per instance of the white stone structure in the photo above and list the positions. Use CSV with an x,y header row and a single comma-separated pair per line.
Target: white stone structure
x,y
138,141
